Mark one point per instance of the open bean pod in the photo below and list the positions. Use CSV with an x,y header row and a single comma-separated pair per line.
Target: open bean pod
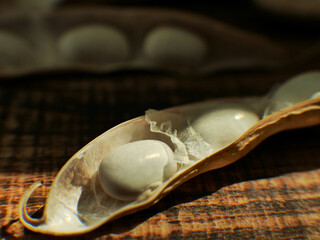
x,y
133,165
109,39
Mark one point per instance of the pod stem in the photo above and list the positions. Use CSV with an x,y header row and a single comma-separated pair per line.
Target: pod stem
x,y
22,208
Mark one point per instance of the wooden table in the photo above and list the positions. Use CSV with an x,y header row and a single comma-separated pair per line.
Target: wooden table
x,y
273,192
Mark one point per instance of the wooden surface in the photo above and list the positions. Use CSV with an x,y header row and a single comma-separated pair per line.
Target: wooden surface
x,y
272,193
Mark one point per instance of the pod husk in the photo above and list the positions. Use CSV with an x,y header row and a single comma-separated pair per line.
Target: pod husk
x,y
301,115
243,50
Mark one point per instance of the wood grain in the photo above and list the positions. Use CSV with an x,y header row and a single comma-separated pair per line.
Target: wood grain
x,y
272,193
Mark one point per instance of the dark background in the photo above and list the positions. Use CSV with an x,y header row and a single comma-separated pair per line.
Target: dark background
x,y
45,117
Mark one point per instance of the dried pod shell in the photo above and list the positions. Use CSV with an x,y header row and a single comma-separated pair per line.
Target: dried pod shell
x,y
77,202
111,38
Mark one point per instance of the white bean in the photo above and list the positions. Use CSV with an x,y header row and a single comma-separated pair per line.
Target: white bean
x,y
298,89
94,44
132,168
222,126
173,45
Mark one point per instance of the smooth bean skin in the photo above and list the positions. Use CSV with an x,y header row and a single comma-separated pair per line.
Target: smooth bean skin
x,y
94,44
130,169
298,89
173,45
222,126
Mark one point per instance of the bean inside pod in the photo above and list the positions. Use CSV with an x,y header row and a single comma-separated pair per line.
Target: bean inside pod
x,y
171,147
